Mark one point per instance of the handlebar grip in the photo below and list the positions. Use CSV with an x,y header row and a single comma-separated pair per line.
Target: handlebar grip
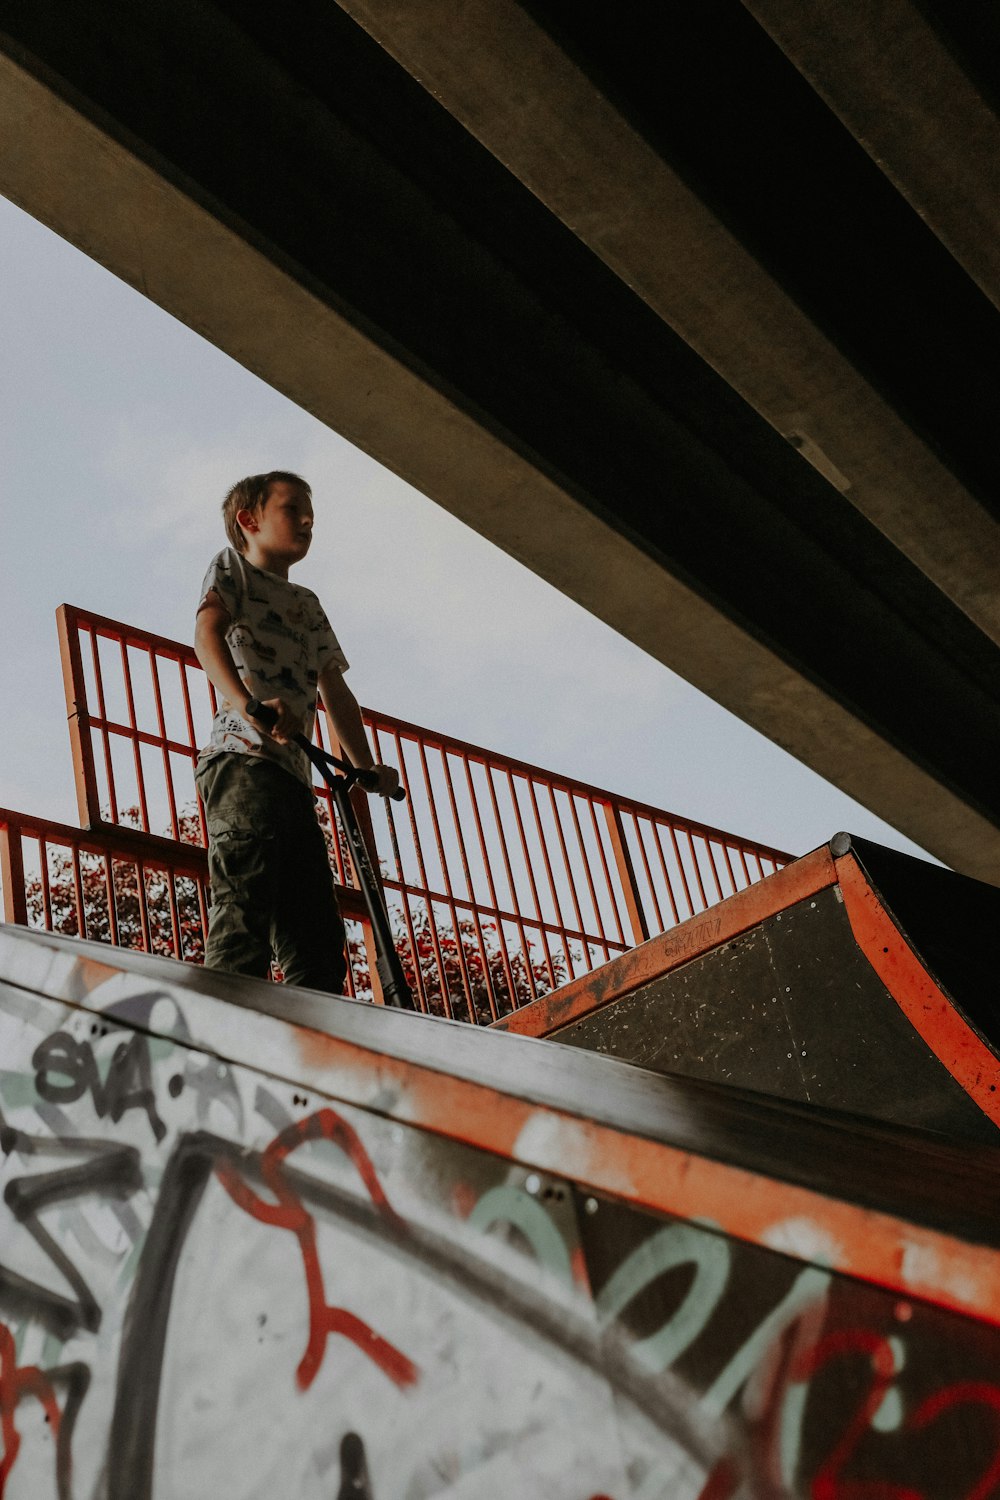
x,y
262,714
366,779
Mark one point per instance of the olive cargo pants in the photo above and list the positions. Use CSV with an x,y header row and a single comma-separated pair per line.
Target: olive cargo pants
x,y
272,886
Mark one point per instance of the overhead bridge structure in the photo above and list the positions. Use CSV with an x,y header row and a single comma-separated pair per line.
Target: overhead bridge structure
x,y
691,308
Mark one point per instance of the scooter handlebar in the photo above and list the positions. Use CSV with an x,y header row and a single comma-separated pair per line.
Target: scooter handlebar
x,y
267,718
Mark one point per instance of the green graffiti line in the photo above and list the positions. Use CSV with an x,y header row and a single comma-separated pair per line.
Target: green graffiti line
x,y
674,1245
512,1205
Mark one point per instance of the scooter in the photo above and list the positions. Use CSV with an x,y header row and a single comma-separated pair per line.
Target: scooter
x,y
395,989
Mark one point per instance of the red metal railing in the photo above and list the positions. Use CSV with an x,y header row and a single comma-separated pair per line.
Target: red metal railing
x,y
503,880
116,885
112,886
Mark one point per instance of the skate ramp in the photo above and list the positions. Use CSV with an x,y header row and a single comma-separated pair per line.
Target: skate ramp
x,y
259,1241
856,978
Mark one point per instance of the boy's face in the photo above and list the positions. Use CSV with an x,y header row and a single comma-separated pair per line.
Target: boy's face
x,y
281,530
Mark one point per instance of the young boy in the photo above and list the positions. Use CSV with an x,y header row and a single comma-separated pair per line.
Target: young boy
x,y
263,639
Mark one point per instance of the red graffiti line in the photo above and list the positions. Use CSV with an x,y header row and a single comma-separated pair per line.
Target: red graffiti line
x,y
964,1393
289,1212
28,1380
828,1484
723,1481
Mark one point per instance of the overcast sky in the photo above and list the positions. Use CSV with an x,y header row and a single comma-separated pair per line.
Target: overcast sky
x,y
121,432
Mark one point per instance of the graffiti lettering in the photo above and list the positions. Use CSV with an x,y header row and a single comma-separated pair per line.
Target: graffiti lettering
x,y
19,1381
129,1083
110,1169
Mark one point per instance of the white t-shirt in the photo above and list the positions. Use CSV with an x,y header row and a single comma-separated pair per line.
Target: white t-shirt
x,y
281,641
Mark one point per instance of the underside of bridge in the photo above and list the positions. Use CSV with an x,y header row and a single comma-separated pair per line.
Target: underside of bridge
x,y
691,308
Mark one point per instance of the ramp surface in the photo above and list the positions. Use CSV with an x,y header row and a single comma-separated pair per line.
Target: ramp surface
x,y
255,1241
857,978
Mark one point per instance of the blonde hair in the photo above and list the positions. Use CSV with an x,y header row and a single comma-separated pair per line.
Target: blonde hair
x,y
251,494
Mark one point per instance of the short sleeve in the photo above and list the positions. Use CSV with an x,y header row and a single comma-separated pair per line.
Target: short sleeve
x,y
328,649
224,580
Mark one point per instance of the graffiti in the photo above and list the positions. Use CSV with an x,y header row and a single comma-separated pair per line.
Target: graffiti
x,y
128,1086
316,1298
290,1213
354,1481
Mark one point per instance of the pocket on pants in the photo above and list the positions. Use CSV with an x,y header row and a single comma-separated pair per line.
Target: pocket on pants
x,y
239,862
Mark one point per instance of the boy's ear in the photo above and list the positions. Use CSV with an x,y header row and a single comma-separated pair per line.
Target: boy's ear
x,y
246,520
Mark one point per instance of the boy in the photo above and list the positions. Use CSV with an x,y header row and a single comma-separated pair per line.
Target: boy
x,y
263,639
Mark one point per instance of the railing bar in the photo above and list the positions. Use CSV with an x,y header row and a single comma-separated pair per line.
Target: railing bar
x,y
487,974
114,930
182,671
415,952
43,856
140,881
431,920
15,895
697,870
598,919
389,815
504,955
564,850
143,736
518,920
108,763
658,842
81,915
450,894
189,717
661,926
550,877
680,866
463,963
435,823
167,772
715,872
743,861
175,914
202,912
607,873
531,877
417,846
134,736
729,868
569,874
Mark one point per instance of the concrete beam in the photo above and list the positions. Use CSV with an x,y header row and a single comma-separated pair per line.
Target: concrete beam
x,y
512,87
885,73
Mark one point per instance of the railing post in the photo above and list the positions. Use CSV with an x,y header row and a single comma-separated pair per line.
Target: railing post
x,y
75,687
626,873
15,899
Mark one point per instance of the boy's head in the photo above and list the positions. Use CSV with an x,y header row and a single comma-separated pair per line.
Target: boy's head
x,y
252,494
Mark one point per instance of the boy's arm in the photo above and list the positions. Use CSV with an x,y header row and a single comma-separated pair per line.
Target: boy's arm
x,y
212,651
345,716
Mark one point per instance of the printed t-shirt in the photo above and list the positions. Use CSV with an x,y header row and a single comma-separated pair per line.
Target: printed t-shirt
x,y
281,641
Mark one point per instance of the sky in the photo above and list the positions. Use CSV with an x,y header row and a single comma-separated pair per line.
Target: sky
x,y
120,433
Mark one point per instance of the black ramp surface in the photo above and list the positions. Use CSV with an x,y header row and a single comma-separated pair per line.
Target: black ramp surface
x,y
951,922
791,1008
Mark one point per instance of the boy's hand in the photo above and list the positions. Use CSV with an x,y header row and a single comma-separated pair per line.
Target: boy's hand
x,y
384,780
287,725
